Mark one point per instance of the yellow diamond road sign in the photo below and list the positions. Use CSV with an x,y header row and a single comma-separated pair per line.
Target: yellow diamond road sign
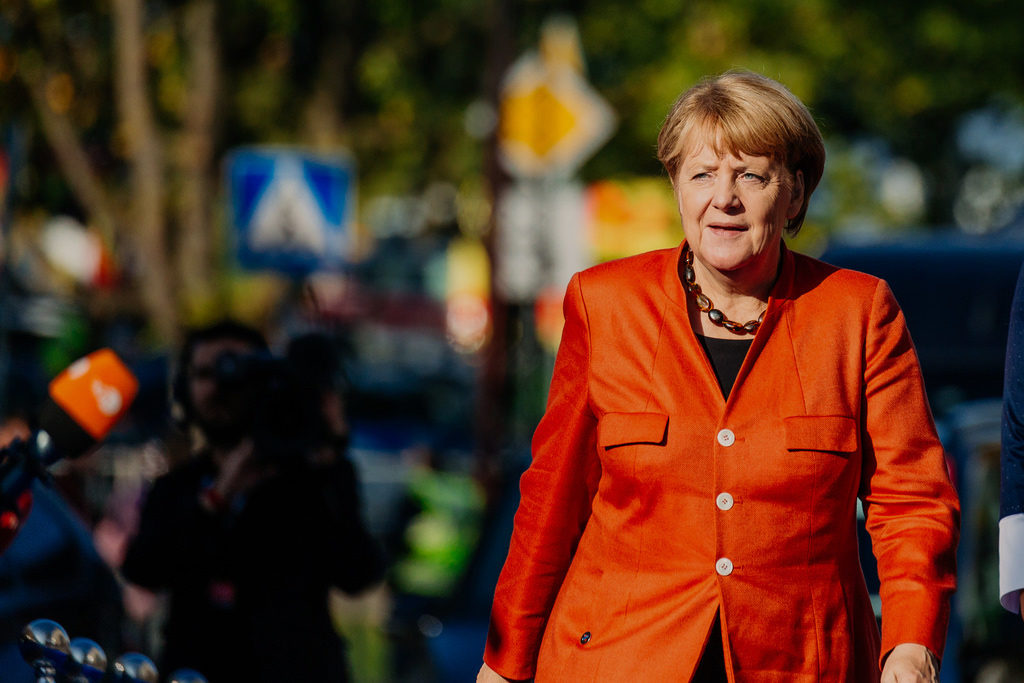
x,y
551,119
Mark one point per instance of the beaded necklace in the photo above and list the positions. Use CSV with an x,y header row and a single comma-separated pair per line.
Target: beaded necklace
x,y
707,306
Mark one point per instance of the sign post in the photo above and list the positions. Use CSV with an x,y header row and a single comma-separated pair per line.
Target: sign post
x,y
291,210
550,121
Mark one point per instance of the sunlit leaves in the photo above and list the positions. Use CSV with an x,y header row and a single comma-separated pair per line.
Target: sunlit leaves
x,y
258,97
940,30
172,93
379,70
405,73
911,95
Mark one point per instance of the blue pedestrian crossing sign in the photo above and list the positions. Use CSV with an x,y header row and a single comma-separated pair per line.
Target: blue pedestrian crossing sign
x,y
290,210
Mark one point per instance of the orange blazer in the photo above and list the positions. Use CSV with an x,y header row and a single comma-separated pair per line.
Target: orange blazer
x,y
652,503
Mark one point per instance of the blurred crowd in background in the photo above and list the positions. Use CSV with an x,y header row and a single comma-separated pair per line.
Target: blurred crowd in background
x,y
417,182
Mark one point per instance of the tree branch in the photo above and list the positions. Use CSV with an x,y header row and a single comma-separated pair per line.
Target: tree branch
x,y
196,150
147,174
71,156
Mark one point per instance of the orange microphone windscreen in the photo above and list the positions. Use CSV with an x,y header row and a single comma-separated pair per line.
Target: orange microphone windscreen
x,y
95,391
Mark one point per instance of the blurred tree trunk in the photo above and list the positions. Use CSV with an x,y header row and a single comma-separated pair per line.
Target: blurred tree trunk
x,y
144,153
322,116
323,111
492,418
195,155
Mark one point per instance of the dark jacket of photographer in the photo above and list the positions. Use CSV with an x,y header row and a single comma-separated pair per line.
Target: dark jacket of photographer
x,y
248,583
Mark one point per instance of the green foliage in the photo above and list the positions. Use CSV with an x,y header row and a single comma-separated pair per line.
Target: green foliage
x,y
401,74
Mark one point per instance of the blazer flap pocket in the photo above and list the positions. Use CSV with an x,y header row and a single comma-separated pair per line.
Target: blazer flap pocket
x,y
625,429
836,433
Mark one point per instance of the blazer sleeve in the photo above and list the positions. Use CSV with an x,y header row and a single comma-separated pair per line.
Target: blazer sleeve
x,y
913,513
1011,492
556,494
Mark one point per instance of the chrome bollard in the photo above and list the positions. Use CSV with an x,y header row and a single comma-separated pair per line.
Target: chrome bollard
x,y
132,667
44,645
186,676
88,662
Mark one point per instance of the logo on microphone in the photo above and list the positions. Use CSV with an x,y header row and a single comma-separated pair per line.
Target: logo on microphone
x,y
108,398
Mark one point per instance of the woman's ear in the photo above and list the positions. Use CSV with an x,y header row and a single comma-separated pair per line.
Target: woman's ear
x,y
796,199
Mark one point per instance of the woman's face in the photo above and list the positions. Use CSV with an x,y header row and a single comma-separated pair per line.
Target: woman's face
x,y
734,208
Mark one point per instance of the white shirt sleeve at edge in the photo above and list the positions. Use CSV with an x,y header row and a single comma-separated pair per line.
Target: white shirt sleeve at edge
x,y
1011,561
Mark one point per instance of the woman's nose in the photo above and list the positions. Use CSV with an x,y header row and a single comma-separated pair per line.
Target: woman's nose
x,y
725,197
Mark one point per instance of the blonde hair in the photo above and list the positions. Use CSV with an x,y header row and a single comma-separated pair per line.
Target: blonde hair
x,y
741,111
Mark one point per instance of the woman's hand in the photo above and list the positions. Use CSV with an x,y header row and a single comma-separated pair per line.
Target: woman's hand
x,y
489,675
910,663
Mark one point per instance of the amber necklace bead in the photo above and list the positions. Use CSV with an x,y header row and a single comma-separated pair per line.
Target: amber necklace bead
x,y
707,306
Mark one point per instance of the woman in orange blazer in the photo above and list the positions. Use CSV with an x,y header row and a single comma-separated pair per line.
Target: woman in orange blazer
x,y
715,413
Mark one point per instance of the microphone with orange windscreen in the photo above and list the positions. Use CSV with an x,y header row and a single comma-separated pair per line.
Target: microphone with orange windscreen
x,y
84,403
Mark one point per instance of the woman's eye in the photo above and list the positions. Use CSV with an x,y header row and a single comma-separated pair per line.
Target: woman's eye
x,y
701,176
753,176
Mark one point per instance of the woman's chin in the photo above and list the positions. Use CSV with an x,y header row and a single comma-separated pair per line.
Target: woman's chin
x,y
726,261
733,256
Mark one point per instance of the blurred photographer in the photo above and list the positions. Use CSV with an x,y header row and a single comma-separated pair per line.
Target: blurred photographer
x,y
248,535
